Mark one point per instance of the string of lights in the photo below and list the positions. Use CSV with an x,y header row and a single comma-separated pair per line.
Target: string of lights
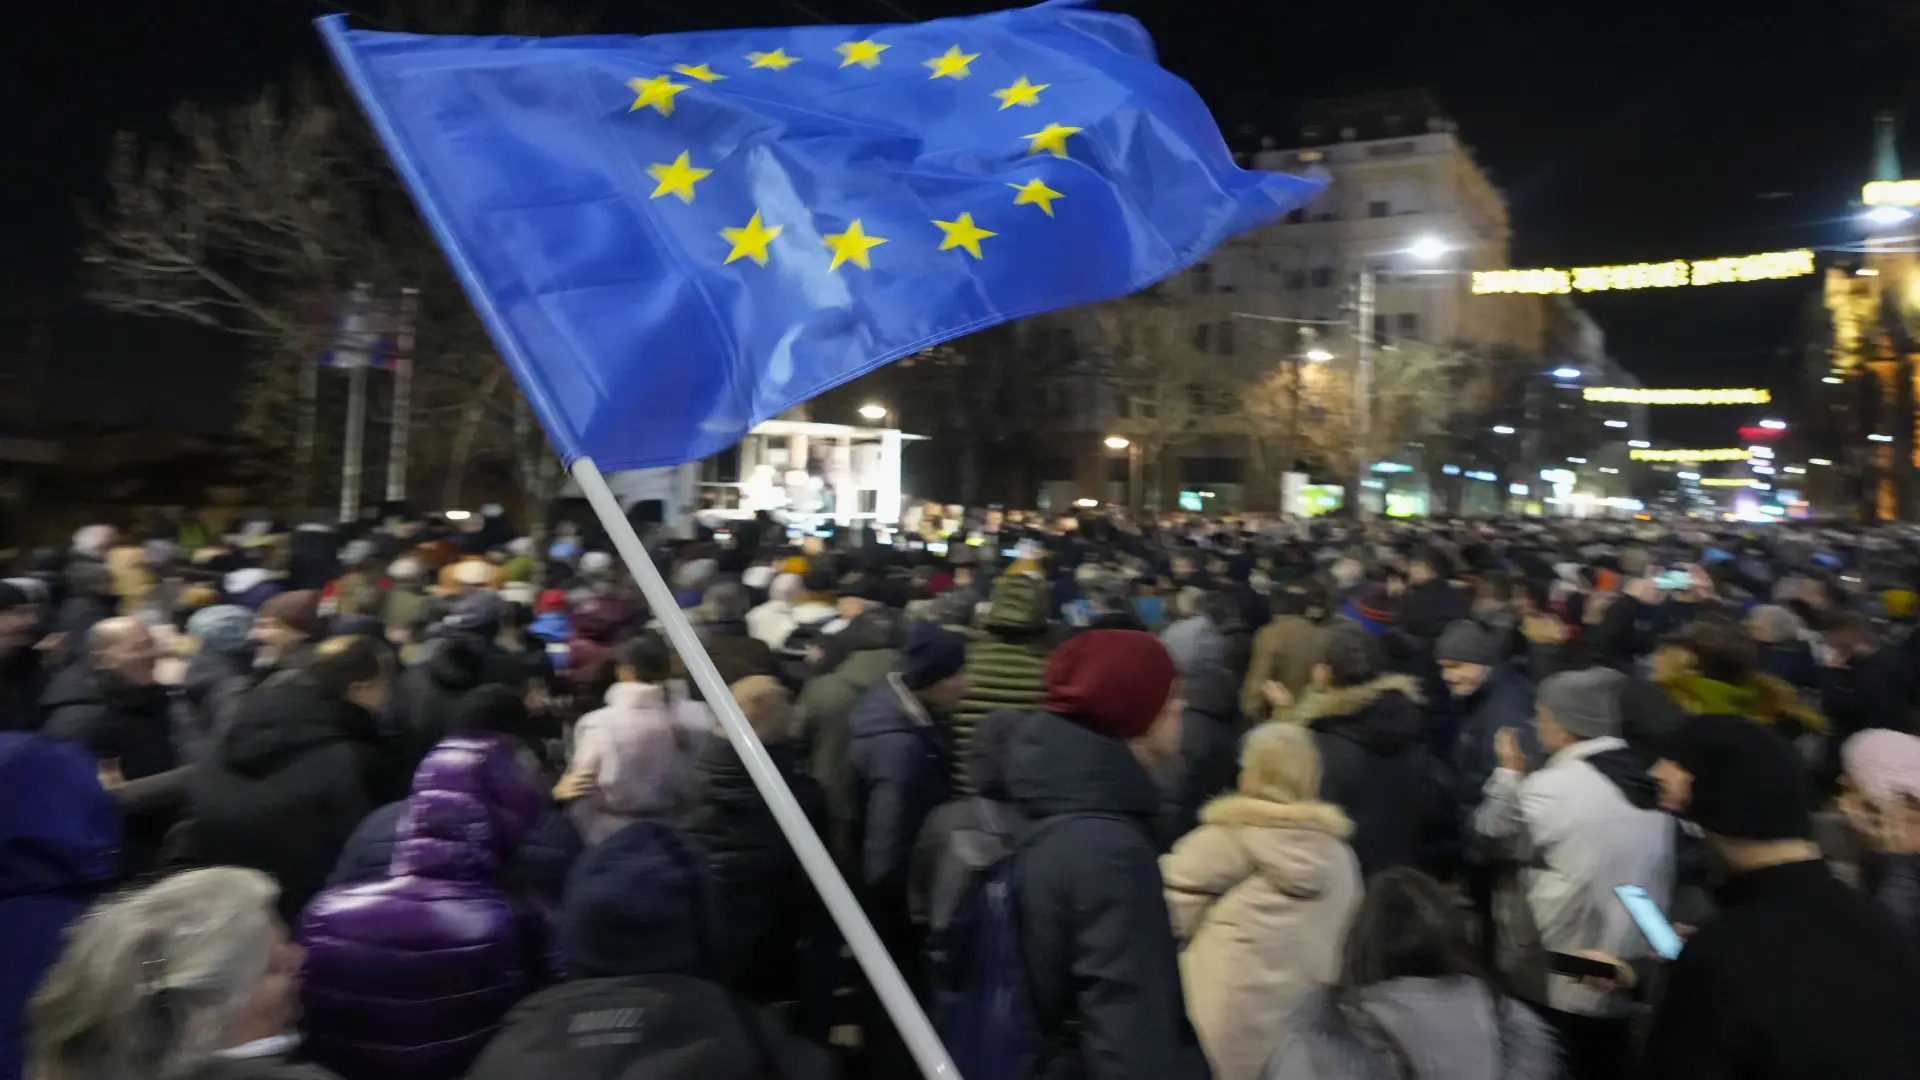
x,y
1730,453
1627,395
1662,275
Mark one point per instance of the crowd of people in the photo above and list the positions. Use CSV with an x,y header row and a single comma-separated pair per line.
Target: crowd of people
x,y
1167,800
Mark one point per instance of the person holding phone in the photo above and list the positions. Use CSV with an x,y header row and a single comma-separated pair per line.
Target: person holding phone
x,y
1584,823
1800,977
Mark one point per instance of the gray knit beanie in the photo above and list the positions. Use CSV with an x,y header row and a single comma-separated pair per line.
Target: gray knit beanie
x,y
1468,642
1585,703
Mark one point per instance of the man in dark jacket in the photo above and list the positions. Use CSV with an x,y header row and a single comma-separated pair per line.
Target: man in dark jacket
x,y
1374,763
767,904
301,766
641,995
826,705
1099,948
23,674
1800,977
1489,696
722,624
109,704
1208,761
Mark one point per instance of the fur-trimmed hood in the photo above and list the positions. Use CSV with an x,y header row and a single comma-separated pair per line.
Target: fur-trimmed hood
x,y
1295,847
1247,811
1383,716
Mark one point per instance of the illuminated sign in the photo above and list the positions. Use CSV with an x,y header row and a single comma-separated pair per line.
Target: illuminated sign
x,y
1631,396
1662,275
1731,453
1891,193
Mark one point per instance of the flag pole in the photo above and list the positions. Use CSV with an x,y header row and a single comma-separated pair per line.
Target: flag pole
x,y
901,1006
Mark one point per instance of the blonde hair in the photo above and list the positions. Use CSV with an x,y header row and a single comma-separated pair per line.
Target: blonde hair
x,y
151,982
768,707
1280,763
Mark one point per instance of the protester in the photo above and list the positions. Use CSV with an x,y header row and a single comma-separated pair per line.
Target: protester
x,y
303,747
767,906
1799,977
1098,946
1260,895
1006,664
409,977
722,622
772,621
968,834
218,675
1711,668
871,649
1210,730
1286,649
285,631
1580,826
1410,1002
1368,727
640,996
632,756
59,851
110,705
23,667
1882,804
189,979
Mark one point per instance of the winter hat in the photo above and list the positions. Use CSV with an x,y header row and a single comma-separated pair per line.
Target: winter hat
x,y
1883,765
1748,782
638,903
1585,703
222,629
158,553
1113,682
931,654
477,613
474,573
1468,642
296,611
550,602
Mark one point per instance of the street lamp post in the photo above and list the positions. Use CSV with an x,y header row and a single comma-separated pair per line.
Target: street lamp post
x,y
1134,491
1362,389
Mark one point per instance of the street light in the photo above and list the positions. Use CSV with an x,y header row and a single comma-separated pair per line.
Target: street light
x,y
1616,423
1319,356
1774,425
1885,216
1428,248
1879,438
1833,380
1566,373
1640,444
1117,442
873,411
1502,429
1576,461
1820,461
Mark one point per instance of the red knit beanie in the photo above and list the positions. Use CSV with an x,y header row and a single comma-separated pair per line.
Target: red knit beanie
x,y
1110,681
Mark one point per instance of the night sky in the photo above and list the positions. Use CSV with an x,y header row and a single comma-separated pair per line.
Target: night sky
x,y
1621,132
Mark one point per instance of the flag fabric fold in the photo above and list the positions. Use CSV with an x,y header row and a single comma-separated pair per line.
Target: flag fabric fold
x,y
672,238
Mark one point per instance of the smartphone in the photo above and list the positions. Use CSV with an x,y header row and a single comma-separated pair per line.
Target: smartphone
x,y
1580,967
1651,920
1673,580
1009,553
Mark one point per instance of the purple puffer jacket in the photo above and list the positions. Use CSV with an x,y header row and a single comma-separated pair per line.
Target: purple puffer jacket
x,y
408,978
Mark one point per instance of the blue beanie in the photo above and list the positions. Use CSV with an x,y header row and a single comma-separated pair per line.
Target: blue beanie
x,y
222,628
931,653
639,903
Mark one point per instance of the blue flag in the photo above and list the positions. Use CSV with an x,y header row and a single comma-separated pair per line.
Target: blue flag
x,y
672,238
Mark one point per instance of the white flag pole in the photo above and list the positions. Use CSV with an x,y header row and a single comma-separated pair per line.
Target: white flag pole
x,y
902,1008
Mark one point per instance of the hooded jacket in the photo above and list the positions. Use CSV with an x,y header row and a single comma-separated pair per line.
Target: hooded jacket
x,y
901,765
1284,651
1374,765
407,978
59,851
1447,1028
1007,665
1261,895
1582,825
826,702
639,749
292,755
1099,947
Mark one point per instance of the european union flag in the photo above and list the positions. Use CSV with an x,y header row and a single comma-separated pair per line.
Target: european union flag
x,y
672,238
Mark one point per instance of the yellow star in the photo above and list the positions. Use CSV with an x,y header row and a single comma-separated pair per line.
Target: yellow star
x,y
1035,192
1021,92
1052,137
657,92
951,66
751,241
851,246
963,234
778,59
698,71
864,53
677,178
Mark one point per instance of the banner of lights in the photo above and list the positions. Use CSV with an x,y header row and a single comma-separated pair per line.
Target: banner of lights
x,y
1731,453
1663,275
1729,481
1630,396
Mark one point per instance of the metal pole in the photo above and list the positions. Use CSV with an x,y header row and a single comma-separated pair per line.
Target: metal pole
x,y
306,430
402,396
353,350
1362,390
872,956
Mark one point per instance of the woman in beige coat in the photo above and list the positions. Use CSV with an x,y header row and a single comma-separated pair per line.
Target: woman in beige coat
x,y
1261,894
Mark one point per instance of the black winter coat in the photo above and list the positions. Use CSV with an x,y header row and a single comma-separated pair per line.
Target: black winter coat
x,y
1099,947
23,679
657,1027
1209,760
294,776
736,653
134,726
767,905
1800,978
1504,700
426,697
902,769
1374,765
